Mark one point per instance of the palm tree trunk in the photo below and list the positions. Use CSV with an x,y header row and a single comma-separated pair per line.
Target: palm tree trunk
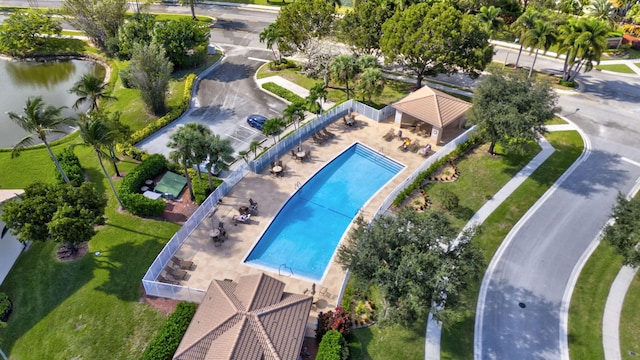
x,y
210,179
55,160
115,167
106,174
518,58
534,64
193,10
189,184
346,82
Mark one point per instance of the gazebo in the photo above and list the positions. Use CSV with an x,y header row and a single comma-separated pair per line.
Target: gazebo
x,y
431,109
252,319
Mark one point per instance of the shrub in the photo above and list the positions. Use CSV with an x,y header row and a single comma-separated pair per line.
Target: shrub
x,y
166,342
126,78
71,166
136,203
333,347
282,64
5,307
282,92
340,320
448,199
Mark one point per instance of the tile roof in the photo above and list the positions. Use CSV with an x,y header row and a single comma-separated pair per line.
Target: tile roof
x,y
432,106
251,319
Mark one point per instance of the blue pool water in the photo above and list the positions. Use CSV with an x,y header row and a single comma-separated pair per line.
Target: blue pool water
x,y
305,233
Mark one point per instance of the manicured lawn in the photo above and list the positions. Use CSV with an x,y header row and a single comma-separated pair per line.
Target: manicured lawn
x,y
556,121
587,303
390,342
629,320
457,339
621,68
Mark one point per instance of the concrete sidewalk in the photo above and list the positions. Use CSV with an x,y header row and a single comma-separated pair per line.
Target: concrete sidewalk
x,y
612,311
291,86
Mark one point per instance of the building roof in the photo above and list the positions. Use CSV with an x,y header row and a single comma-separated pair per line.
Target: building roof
x,y
432,106
252,319
7,194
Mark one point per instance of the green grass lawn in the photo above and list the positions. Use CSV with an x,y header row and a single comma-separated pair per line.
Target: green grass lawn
x,y
587,303
457,339
629,320
621,68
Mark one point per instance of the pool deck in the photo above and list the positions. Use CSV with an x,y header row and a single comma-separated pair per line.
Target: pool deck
x,y
271,193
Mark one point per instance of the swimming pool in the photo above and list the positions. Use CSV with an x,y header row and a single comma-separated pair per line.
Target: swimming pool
x,y
305,233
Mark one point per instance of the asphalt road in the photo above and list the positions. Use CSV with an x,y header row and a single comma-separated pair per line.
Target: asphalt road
x,y
535,266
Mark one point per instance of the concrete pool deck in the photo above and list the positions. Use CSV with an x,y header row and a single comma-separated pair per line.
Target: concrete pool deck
x,y
226,261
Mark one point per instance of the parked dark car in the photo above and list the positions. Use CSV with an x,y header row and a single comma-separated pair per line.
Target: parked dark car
x,y
256,121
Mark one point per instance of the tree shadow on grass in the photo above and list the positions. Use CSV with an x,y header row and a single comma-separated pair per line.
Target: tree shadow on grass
x,y
358,342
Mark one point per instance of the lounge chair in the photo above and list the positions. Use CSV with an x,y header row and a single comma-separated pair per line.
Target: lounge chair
x,y
327,133
241,219
177,274
253,203
390,135
414,147
182,264
317,139
223,232
168,281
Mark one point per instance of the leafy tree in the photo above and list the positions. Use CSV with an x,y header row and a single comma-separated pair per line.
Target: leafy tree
x,y
96,133
151,71
302,23
416,261
344,68
138,30
624,234
429,40
220,154
490,16
99,20
370,83
333,347
583,40
90,88
273,127
511,109
634,14
42,212
520,27
189,143
70,163
40,121
541,36
361,27
22,31
182,40
271,36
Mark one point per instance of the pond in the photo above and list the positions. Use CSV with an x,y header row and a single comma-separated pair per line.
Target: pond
x,y
52,80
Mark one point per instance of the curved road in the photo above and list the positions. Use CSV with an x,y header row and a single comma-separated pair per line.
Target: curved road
x,y
522,311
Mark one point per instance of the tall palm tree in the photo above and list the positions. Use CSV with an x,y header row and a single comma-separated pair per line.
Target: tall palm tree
x,y
96,133
90,88
541,36
189,144
220,153
294,113
40,121
273,127
602,10
490,16
191,4
588,37
344,68
524,23
371,83
271,36
319,92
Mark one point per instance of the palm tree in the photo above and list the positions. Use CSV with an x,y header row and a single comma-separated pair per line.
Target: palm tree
x,y
318,92
90,88
188,142
271,36
371,83
343,68
524,23
40,121
602,10
220,153
490,16
584,40
273,127
254,146
96,133
294,113
191,4
542,35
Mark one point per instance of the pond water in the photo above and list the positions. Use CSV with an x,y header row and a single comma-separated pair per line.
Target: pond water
x,y
51,80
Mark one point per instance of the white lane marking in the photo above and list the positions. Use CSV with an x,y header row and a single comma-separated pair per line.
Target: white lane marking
x,y
630,161
256,59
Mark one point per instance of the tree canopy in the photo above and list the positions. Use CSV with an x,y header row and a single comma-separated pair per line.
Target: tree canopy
x,y
511,109
100,20
150,72
182,40
416,261
624,234
22,31
429,40
302,23
361,27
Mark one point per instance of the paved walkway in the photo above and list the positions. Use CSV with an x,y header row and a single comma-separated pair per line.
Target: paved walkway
x,y
612,311
291,86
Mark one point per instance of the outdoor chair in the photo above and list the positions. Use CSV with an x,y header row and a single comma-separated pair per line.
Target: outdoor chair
x,y
241,219
327,133
182,264
293,154
177,274
415,146
253,203
390,135
223,232
168,281
317,139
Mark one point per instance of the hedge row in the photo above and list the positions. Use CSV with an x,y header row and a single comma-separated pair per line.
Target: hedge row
x,y
462,148
282,92
333,347
169,117
166,342
70,163
129,189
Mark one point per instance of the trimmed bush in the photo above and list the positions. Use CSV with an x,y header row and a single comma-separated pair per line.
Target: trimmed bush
x,y
166,342
338,320
448,199
129,189
5,307
71,166
126,78
282,92
333,347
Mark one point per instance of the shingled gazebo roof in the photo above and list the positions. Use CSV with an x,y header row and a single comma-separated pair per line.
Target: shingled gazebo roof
x,y
432,106
252,319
